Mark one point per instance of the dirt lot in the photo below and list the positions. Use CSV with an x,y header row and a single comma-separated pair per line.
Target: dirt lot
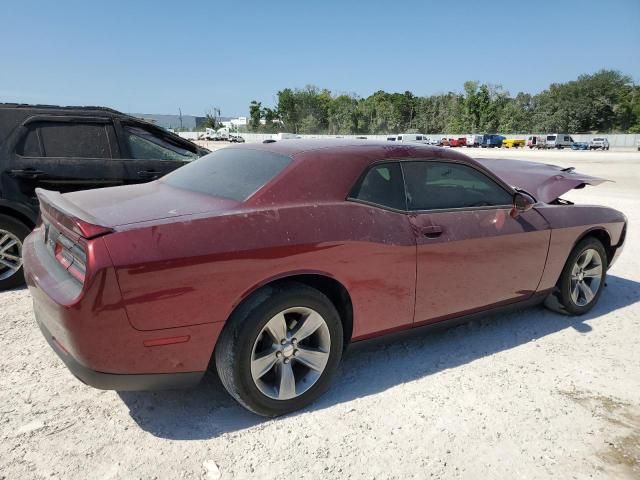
x,y
528,394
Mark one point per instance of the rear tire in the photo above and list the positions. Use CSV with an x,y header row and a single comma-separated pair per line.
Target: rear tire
x,y
582,279
12,235
286,382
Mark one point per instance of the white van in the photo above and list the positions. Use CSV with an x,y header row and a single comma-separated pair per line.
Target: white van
x,y
558,140
412,137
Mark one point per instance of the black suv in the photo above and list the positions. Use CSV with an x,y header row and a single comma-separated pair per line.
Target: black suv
x,y
67,149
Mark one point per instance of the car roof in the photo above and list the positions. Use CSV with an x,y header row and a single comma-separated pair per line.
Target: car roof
x,y
327,169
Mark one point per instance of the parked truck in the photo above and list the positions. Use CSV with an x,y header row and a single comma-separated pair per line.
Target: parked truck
x,y
536,141
458,142
474,140
492,141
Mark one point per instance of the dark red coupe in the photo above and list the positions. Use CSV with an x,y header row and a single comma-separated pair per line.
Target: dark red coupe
x,y
268,259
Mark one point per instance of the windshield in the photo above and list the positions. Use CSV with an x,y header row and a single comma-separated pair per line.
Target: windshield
x,y
232,173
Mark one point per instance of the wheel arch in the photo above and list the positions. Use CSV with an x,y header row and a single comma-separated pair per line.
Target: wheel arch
x,y
602,234
21,216
321,281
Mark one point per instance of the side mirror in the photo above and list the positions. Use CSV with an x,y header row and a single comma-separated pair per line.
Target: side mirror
x,y
522,202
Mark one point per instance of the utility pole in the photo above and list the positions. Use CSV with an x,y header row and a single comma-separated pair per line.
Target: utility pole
x,y
180,111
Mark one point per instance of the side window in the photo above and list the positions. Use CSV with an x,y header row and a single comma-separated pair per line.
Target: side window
x,y
144,145
439,185
29,145
70,139
382,185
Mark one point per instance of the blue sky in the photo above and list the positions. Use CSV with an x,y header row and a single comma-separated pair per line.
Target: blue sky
x,y
158,56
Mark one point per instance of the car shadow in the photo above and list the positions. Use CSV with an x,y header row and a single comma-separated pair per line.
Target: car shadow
x,y
207,411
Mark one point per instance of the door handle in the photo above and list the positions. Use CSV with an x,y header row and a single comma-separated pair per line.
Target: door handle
x,y
431,231
149,174
26,173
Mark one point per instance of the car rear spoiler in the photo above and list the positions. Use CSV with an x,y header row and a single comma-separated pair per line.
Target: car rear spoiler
x,y
56,206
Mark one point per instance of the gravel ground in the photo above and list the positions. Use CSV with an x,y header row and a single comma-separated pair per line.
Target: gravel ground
x,y
529,394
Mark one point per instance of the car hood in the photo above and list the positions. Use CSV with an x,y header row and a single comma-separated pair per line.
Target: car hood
x,y
545,182
117,206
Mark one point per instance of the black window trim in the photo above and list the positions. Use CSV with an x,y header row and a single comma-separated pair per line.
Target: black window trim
x,y
507,188
358,182
122,123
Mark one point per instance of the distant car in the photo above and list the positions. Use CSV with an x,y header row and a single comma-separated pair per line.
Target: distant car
x,y
443,142
236,139
68,149
580,146
260,261
599,143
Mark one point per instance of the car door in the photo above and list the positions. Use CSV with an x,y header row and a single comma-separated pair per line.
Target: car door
x,y
386,252
63,153
150,152
471,253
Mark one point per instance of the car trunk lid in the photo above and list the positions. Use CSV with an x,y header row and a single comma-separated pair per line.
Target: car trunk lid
x,y
126,205
545,182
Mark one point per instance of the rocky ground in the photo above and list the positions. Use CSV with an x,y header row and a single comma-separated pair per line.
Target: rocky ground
x,y
528,394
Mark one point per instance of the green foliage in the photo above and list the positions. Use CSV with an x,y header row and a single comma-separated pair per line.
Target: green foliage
x,y
255,113
606,101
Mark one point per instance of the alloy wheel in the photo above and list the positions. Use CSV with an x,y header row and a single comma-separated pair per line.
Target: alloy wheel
x,y
10,254
290,353
586,276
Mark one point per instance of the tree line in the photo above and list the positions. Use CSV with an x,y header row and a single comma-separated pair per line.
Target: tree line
x,y
604,102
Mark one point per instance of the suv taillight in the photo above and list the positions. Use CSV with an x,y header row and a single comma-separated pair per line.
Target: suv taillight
x,y
69,254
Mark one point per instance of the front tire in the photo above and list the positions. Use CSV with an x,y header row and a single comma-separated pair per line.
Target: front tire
x,y
280,349
583,277
12,235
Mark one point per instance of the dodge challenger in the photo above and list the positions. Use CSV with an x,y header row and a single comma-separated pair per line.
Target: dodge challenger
x,y
266,260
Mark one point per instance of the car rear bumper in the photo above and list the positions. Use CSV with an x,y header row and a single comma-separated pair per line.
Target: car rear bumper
x,y
121,382
87,326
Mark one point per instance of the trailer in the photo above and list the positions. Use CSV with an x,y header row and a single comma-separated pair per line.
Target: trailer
x,y
513,143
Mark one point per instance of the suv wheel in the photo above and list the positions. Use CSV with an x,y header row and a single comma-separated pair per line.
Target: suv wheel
x,y
12,235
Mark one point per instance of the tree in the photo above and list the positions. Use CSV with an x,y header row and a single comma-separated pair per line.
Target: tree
x,y
255,114
605,101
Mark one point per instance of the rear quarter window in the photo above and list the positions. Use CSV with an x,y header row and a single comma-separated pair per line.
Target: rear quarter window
x,y
229,173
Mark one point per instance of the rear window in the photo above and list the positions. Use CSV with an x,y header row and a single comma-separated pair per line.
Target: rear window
x,y
551,138
75,140
232,173
598,139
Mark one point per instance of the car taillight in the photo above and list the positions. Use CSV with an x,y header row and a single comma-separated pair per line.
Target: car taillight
x,y
70,255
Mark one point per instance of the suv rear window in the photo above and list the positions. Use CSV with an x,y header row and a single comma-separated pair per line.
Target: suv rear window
x,y
75,140
233,173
